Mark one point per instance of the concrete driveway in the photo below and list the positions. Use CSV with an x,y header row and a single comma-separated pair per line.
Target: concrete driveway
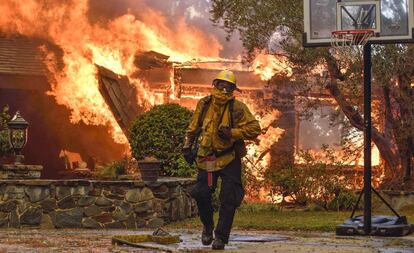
x,y
25,240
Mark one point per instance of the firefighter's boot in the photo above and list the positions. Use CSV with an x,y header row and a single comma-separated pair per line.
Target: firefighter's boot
x,y
207,236
218,244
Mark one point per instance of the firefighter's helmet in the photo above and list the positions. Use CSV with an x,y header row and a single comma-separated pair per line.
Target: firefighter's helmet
x,y
226,75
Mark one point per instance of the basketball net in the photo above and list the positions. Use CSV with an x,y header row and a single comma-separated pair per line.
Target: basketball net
x,y
347,45
350,38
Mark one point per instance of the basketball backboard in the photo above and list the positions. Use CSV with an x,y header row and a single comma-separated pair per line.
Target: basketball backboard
x,y
391,20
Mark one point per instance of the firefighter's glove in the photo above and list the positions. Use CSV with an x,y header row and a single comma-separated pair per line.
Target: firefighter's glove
x,y
224,133
188,155
187,151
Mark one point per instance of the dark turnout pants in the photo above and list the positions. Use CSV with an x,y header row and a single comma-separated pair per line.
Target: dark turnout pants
x,y
231,196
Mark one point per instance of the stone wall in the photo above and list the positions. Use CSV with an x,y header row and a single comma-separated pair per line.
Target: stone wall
x,y
94,204
399,200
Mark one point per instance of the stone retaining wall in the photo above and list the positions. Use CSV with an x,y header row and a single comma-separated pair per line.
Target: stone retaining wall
x,y
94,204
399,200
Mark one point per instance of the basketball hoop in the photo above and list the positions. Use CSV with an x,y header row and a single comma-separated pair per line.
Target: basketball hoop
x,y
350,38
350,27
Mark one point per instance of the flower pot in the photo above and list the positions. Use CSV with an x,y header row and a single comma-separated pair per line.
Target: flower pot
x,y
149,170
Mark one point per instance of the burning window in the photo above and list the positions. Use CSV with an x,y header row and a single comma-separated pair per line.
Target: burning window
x,y
322,126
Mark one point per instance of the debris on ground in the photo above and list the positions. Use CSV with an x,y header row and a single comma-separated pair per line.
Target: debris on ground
x,y
156,241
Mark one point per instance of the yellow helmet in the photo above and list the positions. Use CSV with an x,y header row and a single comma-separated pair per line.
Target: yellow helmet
x,y
226,75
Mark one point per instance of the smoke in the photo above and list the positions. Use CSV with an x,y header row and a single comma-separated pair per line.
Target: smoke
x,y
194,12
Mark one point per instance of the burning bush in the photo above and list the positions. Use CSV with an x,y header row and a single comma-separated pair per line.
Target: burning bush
x,y
4,139
160,133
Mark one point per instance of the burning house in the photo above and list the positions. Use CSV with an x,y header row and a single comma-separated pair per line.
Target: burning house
x,y
80,83
54,141
60,144
80,71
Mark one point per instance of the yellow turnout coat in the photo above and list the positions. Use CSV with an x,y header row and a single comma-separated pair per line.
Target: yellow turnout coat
x,y
245,127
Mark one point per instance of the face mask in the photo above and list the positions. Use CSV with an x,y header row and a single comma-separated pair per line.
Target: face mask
x,y
220,96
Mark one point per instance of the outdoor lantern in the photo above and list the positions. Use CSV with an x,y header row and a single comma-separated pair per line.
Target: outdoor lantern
x,y
18,135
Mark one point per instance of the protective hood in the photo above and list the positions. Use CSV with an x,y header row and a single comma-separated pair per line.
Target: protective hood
x,y
220,97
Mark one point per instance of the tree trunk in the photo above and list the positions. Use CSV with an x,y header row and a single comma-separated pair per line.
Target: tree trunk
x,y
407,160
404,96
391,173
383,144
356,120
388,116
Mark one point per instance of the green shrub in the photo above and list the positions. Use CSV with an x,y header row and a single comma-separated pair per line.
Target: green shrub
x,y
4,134
160,133
112,170
312,182
344,201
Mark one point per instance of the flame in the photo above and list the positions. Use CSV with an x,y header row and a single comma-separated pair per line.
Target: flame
x,y
341,157
269,137
172,86
111,45
267,66
258,153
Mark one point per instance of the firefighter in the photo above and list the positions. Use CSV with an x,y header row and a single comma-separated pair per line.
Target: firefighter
x,y
215,141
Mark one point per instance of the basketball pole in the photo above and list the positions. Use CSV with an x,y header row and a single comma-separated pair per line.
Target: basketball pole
x,y
367,139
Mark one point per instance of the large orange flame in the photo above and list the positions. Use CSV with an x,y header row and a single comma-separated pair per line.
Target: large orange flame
x,y
267,66
114,45
111,45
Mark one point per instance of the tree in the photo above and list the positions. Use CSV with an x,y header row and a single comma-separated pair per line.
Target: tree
x,y
393,70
